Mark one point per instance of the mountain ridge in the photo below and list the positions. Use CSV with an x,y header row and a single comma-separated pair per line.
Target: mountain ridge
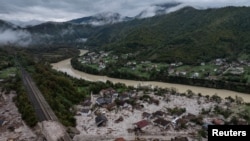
x,y
169,37
188,35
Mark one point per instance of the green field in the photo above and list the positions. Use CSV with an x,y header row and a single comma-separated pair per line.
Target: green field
x,y
6,73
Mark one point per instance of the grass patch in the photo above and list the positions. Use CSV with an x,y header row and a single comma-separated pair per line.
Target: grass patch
x,y
6,73
94,66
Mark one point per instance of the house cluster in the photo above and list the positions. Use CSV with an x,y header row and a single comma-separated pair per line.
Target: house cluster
x,y
164,120
235,67
176,64
101,59
220,66
107,98
145,113
110,99
93,57
142,66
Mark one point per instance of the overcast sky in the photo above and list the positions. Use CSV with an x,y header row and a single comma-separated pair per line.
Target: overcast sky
x,y
63,10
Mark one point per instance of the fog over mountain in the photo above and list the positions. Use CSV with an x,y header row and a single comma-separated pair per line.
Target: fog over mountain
x,y
74,15
14,37
64,10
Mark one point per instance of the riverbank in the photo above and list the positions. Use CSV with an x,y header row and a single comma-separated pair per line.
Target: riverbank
x,y
65,66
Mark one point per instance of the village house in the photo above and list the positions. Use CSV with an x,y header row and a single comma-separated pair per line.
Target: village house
x,y
179,64
111,106
161,123
124,96
91,53
115,57
217,121
173,65
107,92
87,103
171,71
219,62
183,73
141,124
159,114
181,122
146,115
195,75
128,63
85,112
236,71
120,119
103,101
242,122
101,120
133,94
189,116
101,52
102,65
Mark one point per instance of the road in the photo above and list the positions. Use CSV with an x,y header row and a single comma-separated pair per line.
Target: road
x,y
42,109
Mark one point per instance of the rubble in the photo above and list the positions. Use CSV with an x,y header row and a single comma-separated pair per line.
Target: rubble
x,y
12,127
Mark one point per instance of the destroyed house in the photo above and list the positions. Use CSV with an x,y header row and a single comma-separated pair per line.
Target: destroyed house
x,y
146,115
161,123
159,114
141,124
101,120
103,100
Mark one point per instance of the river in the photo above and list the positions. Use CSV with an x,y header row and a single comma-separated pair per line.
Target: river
x,y
65,66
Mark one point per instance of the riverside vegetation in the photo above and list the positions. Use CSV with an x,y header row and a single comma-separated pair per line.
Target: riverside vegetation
x,y
60,90
127,68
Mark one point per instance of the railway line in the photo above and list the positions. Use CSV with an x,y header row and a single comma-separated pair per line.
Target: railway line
x,y
42,109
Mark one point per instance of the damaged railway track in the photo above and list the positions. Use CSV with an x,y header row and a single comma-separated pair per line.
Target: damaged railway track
x,y
42,109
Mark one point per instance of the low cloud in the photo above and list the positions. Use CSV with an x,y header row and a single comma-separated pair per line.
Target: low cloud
x,y
14,37
63,10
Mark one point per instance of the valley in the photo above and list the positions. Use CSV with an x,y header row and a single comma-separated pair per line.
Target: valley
x,y
65,66
123,71
120,119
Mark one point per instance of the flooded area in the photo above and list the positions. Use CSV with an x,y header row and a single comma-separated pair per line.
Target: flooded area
x,y
65,66
12,127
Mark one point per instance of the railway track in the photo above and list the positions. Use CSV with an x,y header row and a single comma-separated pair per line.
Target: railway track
x,y
42,109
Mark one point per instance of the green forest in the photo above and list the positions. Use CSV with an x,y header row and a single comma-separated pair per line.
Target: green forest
x,y
189,35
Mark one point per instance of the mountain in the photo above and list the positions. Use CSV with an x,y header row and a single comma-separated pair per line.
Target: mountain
x,y
188,35
158,9
111,18
11,34
24,24
101,19
71,33
60,33
5,25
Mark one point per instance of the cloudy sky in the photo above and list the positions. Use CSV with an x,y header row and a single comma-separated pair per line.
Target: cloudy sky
x,y
63,10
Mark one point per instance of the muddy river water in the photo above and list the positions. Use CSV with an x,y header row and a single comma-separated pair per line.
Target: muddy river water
x,y
65,66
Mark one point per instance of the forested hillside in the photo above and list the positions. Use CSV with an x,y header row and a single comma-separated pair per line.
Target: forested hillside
x,y
188,35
